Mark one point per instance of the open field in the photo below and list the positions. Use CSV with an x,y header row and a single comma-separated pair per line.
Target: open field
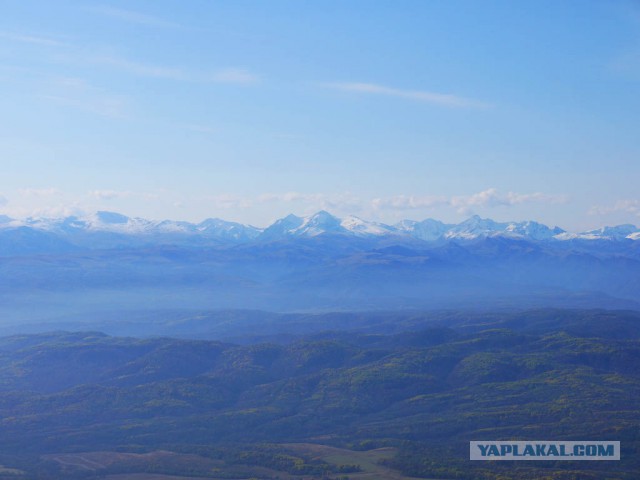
x,y
132,465
368,461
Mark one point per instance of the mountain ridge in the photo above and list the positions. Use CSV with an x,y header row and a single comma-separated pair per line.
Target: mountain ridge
x,y
320,223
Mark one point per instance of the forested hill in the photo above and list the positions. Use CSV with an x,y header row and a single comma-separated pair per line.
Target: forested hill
x,y
424,392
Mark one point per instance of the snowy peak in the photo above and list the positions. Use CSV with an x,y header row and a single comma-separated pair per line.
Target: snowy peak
x,y
321,222
360,227
215,227
311,226
105,225
97,222
283,227
428,230
533,230
475,227
108,222
615,233
111,218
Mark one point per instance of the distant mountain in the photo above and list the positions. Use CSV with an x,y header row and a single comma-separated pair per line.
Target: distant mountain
x,y
360,227
108,262
294,226
619,232
476,227
428,230
214,227
122,229
323,223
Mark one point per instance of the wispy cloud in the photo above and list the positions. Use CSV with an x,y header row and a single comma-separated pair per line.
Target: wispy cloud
x,y
435,98
465,204
349,203
140,68
409,202
338,202
627,206
48,211
308,201
234,75
492,198
32,39
131,16
107,194
291,197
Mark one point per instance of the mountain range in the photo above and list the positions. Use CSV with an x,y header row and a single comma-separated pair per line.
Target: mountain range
x,y
94,268
104,229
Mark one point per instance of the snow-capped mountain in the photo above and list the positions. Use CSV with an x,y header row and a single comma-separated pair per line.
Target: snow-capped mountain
x,y
620,232
323,223
214,227
533,230
428,230
360,227
107,228
614,233
96,222
285,227
475,227
318,261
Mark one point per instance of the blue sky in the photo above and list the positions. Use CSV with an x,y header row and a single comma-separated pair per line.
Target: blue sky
x,y
250,110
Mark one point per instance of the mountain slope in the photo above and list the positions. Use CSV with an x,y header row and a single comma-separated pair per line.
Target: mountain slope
x,y
544,374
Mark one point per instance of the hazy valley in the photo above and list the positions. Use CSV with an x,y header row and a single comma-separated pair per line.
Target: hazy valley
x,y
76,269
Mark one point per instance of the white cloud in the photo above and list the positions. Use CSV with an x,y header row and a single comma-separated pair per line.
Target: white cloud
x,y
465,204
48,211
3,200
107,194
627,206
442,99
131,16
408,202
291,197
345,202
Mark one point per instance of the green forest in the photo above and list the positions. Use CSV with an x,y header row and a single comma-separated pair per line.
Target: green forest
x,y
407,402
